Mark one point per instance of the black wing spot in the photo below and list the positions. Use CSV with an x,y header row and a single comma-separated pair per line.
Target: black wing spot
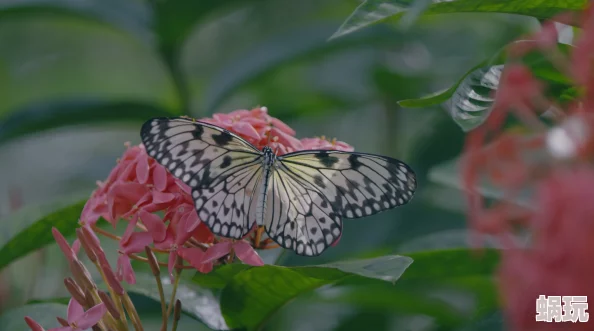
x,y
226,162
314,230
354,162
324,204
222,139
322,220
326,160
197,133
215,203
319,181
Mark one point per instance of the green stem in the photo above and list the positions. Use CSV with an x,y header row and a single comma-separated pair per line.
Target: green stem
x,y
163,303
173,293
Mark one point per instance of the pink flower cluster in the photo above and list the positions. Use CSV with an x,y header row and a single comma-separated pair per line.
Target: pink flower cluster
x,y
554,162
261,129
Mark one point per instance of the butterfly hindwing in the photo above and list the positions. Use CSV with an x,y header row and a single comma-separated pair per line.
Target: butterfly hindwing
x,y
223,170
298,216
356,184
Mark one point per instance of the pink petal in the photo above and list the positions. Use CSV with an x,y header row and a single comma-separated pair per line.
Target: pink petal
x,y
193,255
76,247
159,177
246,131
183,231
337,240
122,197
192,220
34,326
154,225
137,242
282,126
75,310
124,270
142,168
247,254
160,197
217,251
63,244
129,230
91,316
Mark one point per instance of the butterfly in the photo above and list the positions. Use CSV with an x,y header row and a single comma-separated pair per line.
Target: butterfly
x,y
301,198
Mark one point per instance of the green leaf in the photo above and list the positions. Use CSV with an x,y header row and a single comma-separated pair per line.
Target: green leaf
x,y
197,302
255,293
290,47
220,276
44,313
470,99
130,16
374,11
175,19
31,228
35,118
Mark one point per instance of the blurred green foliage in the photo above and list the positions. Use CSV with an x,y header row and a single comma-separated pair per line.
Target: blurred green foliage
x,y
78,78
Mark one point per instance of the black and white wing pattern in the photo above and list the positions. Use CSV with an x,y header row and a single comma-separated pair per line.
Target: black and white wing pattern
x,y
311,191
223,170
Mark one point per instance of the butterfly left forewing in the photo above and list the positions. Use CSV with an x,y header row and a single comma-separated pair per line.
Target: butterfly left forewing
x,y
222,169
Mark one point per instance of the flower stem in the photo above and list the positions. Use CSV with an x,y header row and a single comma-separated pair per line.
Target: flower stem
x,y
116,298
163,303
132,312
173,293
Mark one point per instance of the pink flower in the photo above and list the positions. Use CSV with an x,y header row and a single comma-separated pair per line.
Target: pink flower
x,y
554,264
242,249
131,243
169,238
259,128
79,320
196,257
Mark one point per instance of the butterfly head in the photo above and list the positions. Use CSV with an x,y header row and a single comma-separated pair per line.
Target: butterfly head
x,y
269,156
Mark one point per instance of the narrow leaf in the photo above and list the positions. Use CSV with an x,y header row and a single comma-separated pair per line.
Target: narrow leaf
x,y
30,228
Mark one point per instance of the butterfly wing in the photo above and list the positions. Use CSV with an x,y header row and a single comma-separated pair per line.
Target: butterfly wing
x,y
298,216
223,170
319,188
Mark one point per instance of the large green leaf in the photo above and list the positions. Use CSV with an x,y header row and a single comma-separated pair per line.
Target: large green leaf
x,y
38,117
253,294
197,302
55,58
374,11
131,16
31,228
289,47
43,313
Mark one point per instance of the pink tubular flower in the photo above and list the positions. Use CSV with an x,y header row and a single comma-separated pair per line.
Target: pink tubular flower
x,y
79,320
555,263
69,252
34,326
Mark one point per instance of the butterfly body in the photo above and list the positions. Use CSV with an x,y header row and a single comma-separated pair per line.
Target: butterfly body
x,y
300,197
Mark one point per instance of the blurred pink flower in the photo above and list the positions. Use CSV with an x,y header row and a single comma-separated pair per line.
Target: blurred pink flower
x,y
323,143
80,320
196,257
555,264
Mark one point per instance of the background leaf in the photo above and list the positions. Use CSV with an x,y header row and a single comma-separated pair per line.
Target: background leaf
x,y
43,313
253,294
28,231
374,11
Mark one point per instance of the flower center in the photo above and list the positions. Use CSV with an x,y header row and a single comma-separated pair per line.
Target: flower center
x,y
174,247
74,326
